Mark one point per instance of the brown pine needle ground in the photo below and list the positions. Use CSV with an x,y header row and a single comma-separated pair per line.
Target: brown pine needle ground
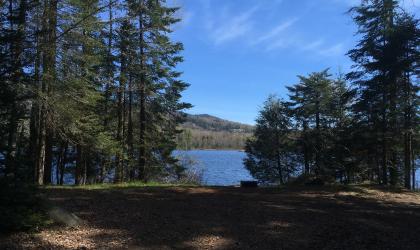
x,y
230,218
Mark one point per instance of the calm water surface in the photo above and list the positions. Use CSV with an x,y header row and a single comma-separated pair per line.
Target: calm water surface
x,y
220,167
225,167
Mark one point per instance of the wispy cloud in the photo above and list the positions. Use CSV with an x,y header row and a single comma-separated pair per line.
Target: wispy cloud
x,y
334,50
313,45
282,42
276,31
229,28
225,24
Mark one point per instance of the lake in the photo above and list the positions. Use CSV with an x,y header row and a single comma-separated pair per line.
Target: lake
x,y
225,167
220,167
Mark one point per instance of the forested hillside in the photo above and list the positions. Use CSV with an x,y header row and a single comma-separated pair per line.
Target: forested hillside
x,y
210,132
212,123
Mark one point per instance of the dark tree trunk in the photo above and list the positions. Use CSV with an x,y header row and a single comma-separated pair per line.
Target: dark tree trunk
x,y
119,175
63,162
48,49
279,168
384,141
142,114
413,167
130,129
393,132
305,148
48,157
318,139
16,48
78,177
407,134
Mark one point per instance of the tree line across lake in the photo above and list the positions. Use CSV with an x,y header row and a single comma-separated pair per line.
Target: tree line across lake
x,y
362,126
209,132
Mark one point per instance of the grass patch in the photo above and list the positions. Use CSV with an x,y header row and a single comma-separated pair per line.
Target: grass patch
x,y
136,184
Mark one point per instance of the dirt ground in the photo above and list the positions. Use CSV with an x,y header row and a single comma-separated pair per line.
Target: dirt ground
x,y
230,218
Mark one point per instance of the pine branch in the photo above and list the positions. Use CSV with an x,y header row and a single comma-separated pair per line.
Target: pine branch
x,y
75,25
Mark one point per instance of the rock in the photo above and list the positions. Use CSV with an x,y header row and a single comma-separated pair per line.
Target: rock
x,y
62,216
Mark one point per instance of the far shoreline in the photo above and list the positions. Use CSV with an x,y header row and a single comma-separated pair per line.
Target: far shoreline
x,y
213,149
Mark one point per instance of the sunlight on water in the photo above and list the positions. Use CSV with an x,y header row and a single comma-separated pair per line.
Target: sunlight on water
x,y
220,167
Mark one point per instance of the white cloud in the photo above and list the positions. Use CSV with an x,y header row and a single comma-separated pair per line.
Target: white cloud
x,y
232,26
276,30
334,50
283,43
225,24
313,45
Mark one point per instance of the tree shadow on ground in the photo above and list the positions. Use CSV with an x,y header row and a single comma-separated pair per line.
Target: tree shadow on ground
x,y
234,218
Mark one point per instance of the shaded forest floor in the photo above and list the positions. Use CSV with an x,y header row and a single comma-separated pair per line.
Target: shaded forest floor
x,y
356,217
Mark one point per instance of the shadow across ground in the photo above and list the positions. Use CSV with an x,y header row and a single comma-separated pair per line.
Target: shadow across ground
x,y
233,218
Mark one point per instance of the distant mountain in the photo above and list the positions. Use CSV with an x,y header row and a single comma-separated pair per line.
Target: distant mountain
x,y
213,123
210,132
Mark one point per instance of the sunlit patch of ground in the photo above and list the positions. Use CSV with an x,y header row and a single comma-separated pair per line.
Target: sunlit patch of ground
x,y
354,217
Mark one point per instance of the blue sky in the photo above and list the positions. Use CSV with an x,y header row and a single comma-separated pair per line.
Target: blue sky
x,y
237,52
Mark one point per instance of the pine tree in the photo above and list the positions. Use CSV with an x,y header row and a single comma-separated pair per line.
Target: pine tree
x,y
379,57
269,158
156,84
311,102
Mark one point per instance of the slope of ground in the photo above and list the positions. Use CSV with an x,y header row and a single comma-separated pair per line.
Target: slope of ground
x,y
230,218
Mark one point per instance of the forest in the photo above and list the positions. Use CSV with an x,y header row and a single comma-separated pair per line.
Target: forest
x,y
92,113
355,127
89,88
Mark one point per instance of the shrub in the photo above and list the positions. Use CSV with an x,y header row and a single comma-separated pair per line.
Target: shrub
x,y
21,208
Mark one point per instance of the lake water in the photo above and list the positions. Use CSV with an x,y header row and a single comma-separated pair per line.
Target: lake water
x,y
225,167
220,167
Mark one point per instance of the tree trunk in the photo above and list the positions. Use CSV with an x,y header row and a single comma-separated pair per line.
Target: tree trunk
x,y
63,162
48,157
130,129
16,77
407,134
48,49
384,141
305,148
142,115
413,170
279,168
78,177
119,175
318,138
35,109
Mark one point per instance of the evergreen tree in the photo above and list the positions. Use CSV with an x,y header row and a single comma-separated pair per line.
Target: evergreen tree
x,y
269,158
381,65
156,83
